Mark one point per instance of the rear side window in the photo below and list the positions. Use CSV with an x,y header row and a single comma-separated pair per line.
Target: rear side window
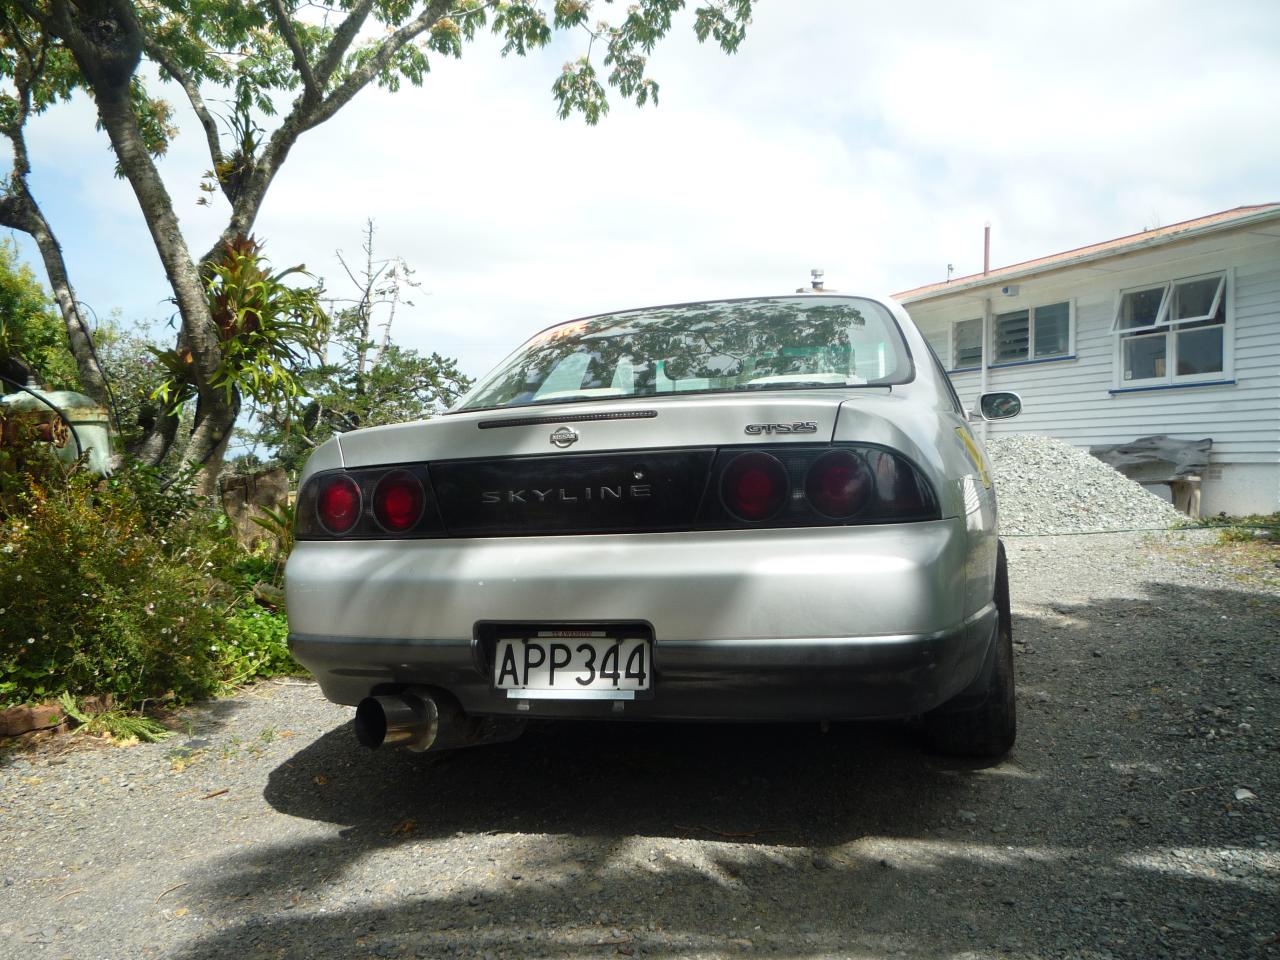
x,y
776,343
941,373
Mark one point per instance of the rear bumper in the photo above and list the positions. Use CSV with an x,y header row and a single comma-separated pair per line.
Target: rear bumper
x,y
843,622
785,679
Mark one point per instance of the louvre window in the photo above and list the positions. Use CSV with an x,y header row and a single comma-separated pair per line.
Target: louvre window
x,y
1012,336
966,348
1039,333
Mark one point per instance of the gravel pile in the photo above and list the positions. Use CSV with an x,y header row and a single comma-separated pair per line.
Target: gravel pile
x,y
1048,486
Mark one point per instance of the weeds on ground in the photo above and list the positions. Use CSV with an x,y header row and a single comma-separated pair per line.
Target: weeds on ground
x,y
1249,545
1254,528
115,724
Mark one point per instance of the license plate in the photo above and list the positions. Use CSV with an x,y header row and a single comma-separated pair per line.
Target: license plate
x,y
572,665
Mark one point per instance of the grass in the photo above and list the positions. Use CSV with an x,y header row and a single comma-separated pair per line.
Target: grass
x,y
1254,528
119,725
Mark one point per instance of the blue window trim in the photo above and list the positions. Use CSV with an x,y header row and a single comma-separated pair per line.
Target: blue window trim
x,y
1027,363
1175,386
1013,363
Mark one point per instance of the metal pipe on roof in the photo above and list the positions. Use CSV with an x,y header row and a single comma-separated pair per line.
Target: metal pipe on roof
x,y
986,248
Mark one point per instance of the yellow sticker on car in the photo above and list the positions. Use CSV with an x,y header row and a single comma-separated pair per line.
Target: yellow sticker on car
x,y
971,447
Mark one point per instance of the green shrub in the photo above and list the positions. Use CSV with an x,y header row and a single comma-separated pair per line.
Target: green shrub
x,y
107,587
255,644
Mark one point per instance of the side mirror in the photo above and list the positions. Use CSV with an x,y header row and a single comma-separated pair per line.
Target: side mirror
x,y
999,406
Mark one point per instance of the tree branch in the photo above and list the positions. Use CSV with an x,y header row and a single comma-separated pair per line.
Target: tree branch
x,y
33,11
311,90
389,47
341,42
192,89
306,115
20,211
359,80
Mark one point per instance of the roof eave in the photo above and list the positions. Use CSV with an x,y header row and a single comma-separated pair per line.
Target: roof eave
x,y
1004,278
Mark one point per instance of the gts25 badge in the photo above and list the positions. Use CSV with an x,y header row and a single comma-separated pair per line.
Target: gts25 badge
x,y
800,426
975,455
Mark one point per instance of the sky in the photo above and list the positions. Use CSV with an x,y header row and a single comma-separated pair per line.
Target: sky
x,y
871,140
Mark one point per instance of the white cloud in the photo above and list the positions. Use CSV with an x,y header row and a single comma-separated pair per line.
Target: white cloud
x,y
871,140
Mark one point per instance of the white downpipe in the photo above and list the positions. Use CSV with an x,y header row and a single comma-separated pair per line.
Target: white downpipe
x,y
986,347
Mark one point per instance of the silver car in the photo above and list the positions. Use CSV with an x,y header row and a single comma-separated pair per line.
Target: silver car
x,y
757,509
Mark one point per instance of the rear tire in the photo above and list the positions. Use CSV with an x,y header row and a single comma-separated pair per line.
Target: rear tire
x,y
990,728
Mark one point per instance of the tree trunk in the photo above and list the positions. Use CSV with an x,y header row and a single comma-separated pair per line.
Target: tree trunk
x,y
93,381
19,211
216,412
156,442
107,45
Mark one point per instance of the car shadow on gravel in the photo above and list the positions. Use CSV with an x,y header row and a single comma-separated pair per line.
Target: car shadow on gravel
x,y
778,807
785,784
1111,832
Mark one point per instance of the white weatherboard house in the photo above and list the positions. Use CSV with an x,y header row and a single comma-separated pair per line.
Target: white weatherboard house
x,y
1171,331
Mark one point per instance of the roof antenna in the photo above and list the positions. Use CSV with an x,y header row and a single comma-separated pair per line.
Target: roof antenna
x,y
951,268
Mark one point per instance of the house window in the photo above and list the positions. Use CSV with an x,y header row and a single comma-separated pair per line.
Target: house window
x,y
1052,330
1039,333
966,344
1172,332
1012,335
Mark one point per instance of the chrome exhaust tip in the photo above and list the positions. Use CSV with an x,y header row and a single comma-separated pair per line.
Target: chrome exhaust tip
x,y
421,720
406,719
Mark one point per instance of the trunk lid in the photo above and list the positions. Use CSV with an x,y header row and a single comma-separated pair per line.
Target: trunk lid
x,y
663,423
595,467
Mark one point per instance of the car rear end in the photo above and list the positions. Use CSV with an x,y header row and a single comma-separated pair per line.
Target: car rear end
x,y
770,552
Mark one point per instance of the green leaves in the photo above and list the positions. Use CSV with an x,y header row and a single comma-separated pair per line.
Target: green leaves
x,y
571,13
725,22
522,24
627,48
266,328
29,328
578,91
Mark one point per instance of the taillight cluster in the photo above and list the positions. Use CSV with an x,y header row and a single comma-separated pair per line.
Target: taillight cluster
x,y
813,486
787,485
370,503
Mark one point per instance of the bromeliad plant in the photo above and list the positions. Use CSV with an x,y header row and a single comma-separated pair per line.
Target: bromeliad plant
x,y
267,330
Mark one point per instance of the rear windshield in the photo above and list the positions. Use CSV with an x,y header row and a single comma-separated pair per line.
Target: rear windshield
x,y
778,343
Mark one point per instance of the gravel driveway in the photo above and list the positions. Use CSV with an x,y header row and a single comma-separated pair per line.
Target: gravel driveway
x,y
1139,815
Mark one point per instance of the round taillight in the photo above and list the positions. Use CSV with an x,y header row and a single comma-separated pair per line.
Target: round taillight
x,y
338,504
754,487
838,484
398,500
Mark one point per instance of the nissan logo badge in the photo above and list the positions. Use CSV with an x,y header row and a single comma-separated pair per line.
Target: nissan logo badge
x,y
564,437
